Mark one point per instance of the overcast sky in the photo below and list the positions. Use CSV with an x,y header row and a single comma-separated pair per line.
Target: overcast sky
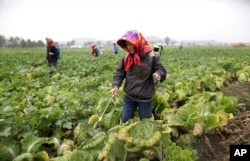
x,y
220,20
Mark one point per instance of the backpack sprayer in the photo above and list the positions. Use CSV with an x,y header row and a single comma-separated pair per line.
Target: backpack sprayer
x,y
158,48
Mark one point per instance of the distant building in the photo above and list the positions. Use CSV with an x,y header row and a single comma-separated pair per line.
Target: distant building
x,y
75,46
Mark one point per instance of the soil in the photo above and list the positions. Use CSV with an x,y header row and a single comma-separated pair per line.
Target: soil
x,y
216,146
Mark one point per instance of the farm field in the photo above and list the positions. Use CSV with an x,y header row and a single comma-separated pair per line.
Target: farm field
x,y
50,113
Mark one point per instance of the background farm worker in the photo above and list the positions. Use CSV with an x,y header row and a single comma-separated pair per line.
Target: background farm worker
x,y
115,48
101,48
139,73
181,46
95,50
52,54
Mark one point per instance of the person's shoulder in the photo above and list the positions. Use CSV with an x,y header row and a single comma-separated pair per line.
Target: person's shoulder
x,y
52,46
153,56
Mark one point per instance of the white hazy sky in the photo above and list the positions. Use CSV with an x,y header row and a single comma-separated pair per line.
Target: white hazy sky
x,y
220,20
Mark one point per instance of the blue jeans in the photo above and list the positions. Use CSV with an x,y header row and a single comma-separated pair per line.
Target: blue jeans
x,y
130,106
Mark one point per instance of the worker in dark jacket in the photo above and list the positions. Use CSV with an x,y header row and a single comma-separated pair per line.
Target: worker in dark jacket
x,y
52,54
139,74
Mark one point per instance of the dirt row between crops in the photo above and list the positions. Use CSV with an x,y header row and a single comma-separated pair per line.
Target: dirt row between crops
x,y
215,147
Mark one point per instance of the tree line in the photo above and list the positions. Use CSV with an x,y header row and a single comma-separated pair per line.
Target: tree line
x,y
18,42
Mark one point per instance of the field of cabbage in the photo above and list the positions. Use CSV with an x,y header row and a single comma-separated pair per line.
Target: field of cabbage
x,y
49,114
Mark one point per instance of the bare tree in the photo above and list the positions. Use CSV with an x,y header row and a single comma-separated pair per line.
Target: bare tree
x,y
22,43
2,41
167,40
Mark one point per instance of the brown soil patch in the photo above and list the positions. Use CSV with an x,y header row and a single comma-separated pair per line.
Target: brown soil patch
x,y
215,147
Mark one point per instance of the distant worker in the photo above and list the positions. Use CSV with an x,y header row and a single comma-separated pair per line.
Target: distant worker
x,y
158,48
181,46
52,53
95,50
101,48
115,48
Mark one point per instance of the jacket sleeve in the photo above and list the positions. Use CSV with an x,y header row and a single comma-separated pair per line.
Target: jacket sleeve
x,y
159,68
119,75
47,52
